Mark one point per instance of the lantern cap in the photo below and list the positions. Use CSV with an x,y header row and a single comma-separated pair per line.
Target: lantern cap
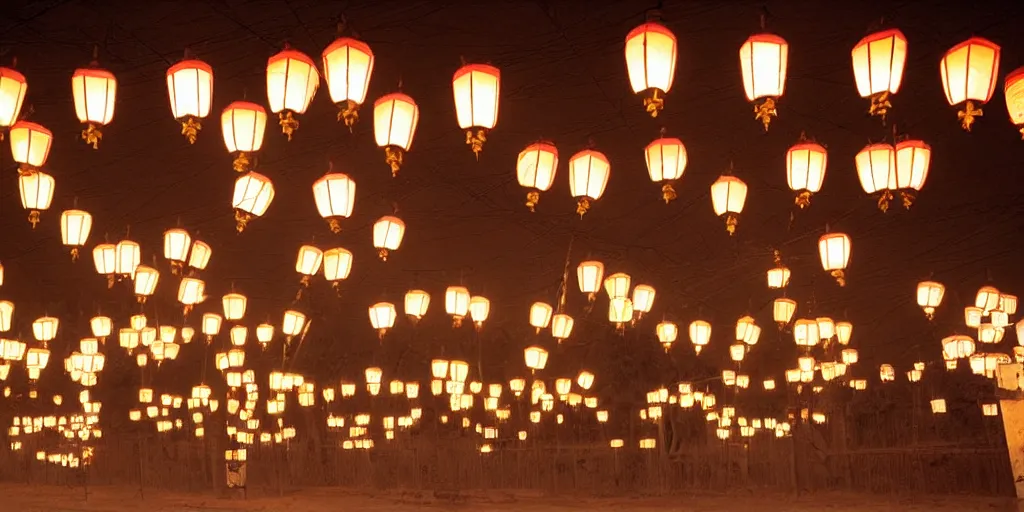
x,y
333,176
979,41
665,141
352,42
12,73
894,33
877,146
93,72
395,96
29,125
253,175
912,144
482,68
390,218
245,105
289,53
190,64
593,153
766,37
541,145
1014,75
812,146
650,26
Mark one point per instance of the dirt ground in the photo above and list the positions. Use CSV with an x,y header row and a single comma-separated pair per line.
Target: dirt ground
x,y
22,498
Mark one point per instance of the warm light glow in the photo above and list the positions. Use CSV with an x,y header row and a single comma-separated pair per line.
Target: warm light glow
x,y
13,87
763,63
234,306
243,124
387,234
1013,91
335,196
878,62
199,256
912,160
536,358
588,174
589,275
666,159
292,80
617,285
805,168
348,66
394,121
253,194
382,316
36,189
969,71
308,260
834,249
929,296
651,51
30,142
536,168
128,256
477,92
177,243
416,303
456,301
876,167
337,264
94,90
643,298
190,89
540,315
479,309
75,226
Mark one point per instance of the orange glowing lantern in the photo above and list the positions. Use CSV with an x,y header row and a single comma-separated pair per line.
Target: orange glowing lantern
x,y
36,189
30,144
913,158
728,195
878,62
395,117
387,235
252,197
535,170
190,90
335,195
243,124
292,80
666,162
177,243
651,51
968,71
477,89
876,169
805,170
94,90
588,176
348,65
337,266
74,230
13,88
834,249
763,63
1013,90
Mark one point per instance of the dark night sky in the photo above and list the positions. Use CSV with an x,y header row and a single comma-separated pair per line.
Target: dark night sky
x,y
563,79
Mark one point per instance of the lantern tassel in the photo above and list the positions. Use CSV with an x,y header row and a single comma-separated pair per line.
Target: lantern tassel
x,y
33,218
967,115
304,281
456,321
532,198
337,287
476,142
74,254
186,310
334,224
176,267
141,299
731,220
382,253
288,123
840,276
929,313
880,105
241,220
241,162
298,293
908,199
394,156
668,193
697,349
92,135
666,346
349,113
654,103
110,281
803,199
190,128
765,111
582,206
883,200
1022,133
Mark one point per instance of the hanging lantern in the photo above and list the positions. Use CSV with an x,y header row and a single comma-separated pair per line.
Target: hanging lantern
x,y
878,62
30,142
13,87
416,302
337,266
382,317
292,80
536,169
782,311
589,275
1013,90
234,306
929,296
128,255
252,197
913,158
335,195
540,315
666,162
177,242
101,326
211,325
477,89
44,329
348,65
394,124
805,170
36,193
74,230
728,194
561,326
834,249
308,264
700,334
243,124
617,285
667,333
387,235
987,299
456,303
264,334
588,176
94,90
643,299
199,255
479,310
536,358
146,278
651,51
747,330
876,168
293,323
844,330
778,277
104,257
191,291
805,333
826,328
969,71
190,89
957,347
763,62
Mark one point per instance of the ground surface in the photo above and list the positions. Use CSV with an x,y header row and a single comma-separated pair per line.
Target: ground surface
x,y
117,499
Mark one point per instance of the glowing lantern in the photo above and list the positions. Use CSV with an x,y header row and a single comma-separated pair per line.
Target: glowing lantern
x,y
292,80
382,317
536,358
1013,90
617,285
308,263
666,162
763,63
834,249
348,65
957,347
394,124
588,176
252,197
146,278
540,315
589,275
456,303
13,87
94,90
878,62
30,142
728,194
128,255
335,195
264,334
387,235
44,328
876,168
700,334
651,51
234,306
972,316
199,256
929,296
36,189
243,124
747,331
191,291
104,257
479,310
913,158
416,302
805,333
535,170
561,326
177,242
337,266
477,90
74,230
987,299
805,170
667,333
844,330
293,323
968,71
190,89
643,298
211,325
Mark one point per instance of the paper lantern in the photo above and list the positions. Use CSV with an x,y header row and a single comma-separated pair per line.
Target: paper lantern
x,y
617,285
13,88
456,303
101,326
878,62
382,317
146,278
667,333
36,189
416,303
589,275
30,142
535,170
805,333
292,80
477,89
778,277
540,315
728,195
536,358
234,306
651,51
844,330
335,196
252,197
561,326
643,298
337,266
94,91
387,235
191,291
479,310
929,296
876,169
666,162
190,90
307,263
588,176
834,249
969,71
293,323
348,65
763,63
104,257
128,255
1013,90
243,124
700,334
200,254
913,157
805,170
75,226
394,124
264,334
